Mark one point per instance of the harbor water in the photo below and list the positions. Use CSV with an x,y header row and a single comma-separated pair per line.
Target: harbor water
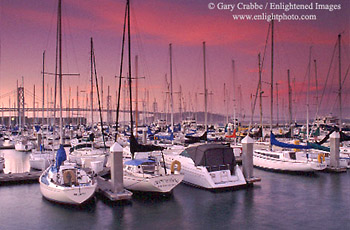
x,y
279,201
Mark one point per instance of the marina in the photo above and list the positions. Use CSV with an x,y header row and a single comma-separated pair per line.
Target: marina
x,y
190,127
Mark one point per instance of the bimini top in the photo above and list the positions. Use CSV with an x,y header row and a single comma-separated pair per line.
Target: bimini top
x,y
211,155
137,162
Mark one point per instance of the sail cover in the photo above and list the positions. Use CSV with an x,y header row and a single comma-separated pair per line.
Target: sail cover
x,y
136,147
275,142
60,157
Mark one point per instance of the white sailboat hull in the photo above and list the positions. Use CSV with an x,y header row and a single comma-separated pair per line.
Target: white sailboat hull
x,y
67,195
158,184
75,194
287,165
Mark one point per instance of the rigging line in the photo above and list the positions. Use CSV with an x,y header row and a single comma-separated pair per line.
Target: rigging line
x,y
261,69
140,44
120,74
267,40
71,38
50,30
329,70
98,98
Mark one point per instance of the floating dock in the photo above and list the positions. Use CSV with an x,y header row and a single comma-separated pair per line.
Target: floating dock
x,y
104,187
20,177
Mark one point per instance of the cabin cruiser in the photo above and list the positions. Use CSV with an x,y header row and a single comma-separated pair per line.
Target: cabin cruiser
x,y
66,183
208,166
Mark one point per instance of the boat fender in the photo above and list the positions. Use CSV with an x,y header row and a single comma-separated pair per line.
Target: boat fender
x,y
178,166
321,158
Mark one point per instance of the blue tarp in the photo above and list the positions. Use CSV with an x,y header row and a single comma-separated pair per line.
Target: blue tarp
x,y
165,137
275,142
137,162
60,157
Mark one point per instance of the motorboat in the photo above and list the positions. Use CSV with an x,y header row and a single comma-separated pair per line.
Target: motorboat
x,y
208,166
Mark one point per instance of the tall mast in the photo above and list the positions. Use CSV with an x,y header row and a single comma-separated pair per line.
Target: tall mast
x,y
260,93
277,103
92,84
205,91
42,119
234,94
340,88
34,105
225,105
307,97
271,92
316,82
171,89
129,56
78,105
289,98
136,93
60,65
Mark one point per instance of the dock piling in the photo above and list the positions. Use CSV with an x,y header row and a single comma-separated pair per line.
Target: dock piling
x,y
247,160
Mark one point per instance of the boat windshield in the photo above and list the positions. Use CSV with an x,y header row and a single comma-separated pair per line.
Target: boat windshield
x,y
185,154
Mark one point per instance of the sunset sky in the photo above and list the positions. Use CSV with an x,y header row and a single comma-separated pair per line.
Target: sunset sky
x,y
28,27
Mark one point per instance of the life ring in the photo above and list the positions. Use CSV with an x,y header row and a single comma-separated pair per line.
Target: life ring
x,y
178,166
321,158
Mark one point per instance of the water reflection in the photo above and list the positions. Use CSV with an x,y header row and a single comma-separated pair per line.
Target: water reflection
x,y
16,162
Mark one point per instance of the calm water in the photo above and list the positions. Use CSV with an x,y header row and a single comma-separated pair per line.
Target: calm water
x,y
281,201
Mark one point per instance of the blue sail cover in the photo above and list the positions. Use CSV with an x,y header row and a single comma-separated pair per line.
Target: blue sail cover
x,y
319,147
275,142
165,137
60,157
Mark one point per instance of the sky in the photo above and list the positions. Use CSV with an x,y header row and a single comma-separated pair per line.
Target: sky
x,y
27,28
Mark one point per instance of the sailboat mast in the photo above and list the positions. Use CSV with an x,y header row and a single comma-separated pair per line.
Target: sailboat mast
x,y
307,97
316,84
260,93
289,98
43,88
171,89
136,93
92,83
60,65
340,88
271,105
129,57
205,91
234,95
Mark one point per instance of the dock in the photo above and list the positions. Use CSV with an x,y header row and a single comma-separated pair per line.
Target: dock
x,y
20,177
336,170
104,187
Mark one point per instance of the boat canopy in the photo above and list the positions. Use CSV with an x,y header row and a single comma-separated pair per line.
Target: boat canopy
x,y
137,162
211,155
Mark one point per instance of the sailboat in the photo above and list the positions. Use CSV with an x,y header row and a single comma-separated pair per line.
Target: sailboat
x,y
285,159
65,183
146,173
